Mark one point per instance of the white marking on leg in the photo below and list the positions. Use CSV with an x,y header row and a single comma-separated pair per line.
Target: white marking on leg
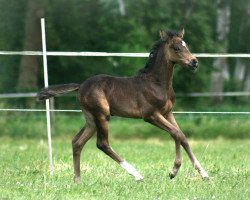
x,y
204,174
131,170
200,169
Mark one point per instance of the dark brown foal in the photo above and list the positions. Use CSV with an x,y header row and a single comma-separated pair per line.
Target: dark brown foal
x,y
148,95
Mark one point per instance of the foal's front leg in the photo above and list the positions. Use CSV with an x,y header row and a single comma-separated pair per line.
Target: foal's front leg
x,y
158,120
178,158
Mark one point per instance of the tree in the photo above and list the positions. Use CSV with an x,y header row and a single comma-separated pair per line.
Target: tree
x,y
11,35
97,25
220,72
28,71
240,42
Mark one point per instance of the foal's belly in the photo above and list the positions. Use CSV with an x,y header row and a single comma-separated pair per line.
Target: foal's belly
x,y
130,108
124,108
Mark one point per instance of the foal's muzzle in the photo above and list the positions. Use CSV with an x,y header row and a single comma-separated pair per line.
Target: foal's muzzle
x,y
193,64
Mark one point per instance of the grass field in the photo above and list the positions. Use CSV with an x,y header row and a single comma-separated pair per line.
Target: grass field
x,y
33,125
24,170
221,143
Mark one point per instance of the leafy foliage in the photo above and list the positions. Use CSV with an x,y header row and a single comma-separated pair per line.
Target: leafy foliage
x,y
96,25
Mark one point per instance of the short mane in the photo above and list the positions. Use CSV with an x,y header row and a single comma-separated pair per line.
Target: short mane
x,y
152,58
172,33
153,52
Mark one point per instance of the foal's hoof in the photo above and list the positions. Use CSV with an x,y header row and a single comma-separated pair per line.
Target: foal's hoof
x,y
171,175
139,178
205,176
77,180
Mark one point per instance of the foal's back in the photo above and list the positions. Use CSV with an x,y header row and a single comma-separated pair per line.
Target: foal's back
x,y
108,95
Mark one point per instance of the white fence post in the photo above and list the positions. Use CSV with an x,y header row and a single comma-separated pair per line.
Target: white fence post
x,y
46,84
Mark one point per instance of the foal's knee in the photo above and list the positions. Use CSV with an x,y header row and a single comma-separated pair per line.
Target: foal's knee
x,y
176,134
177,163
179,136
183,140
76,147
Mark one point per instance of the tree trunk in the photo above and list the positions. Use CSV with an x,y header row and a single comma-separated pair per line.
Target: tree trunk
x,y
28,71
122,7
247,28
246,86
240,70
220,73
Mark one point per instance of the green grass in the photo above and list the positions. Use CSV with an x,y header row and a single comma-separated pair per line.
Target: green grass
x,y
24,170
221,143
33,125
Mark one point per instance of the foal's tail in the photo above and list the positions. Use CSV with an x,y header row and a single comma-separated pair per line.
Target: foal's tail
x,y
56,90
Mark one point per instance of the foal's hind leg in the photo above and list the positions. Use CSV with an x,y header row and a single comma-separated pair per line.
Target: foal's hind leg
x,y
77,144
103,145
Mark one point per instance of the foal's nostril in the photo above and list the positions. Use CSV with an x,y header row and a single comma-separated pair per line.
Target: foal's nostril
x,y
194,62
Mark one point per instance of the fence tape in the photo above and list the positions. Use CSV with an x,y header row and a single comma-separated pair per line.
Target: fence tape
x,y
193,94
107,54
175,112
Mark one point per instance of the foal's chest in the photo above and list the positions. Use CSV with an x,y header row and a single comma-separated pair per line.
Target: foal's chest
x,y
169,104
167,107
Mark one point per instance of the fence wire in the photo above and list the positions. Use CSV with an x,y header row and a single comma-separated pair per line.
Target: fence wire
x,y
110,54
175,112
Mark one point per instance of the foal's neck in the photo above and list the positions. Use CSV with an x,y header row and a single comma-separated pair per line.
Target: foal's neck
x,y
163,69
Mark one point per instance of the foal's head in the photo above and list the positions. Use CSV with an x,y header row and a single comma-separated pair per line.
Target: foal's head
x,y
177,51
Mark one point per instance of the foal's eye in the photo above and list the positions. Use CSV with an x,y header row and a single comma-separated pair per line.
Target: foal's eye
x,y
176,49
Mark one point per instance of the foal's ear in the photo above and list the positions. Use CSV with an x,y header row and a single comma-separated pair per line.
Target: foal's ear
x,y
163,35
181,33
